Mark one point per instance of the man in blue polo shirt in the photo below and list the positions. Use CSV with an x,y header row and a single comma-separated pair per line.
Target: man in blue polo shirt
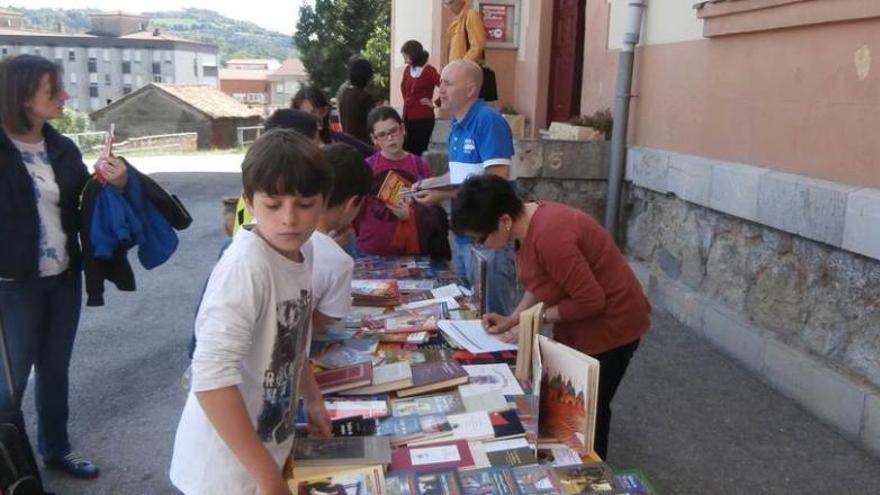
x,y
480,141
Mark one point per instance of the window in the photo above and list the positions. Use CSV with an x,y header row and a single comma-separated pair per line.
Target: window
x,y
195,68
157,68
107,80
93,78
255,97
71,55
93,65
93,53
126,89
126,67
239,96
37,51
4,51
279,88
106,55
168,56
73,78
93,90
139,81
209,71
59,52
157,78
137,55
126,55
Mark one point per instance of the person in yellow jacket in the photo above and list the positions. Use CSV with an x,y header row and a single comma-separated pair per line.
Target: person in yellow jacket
x,y
466,33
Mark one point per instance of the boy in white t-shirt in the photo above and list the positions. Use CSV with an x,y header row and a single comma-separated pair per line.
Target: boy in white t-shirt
x,y
253,330
331,275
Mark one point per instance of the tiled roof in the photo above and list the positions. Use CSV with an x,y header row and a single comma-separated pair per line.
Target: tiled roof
x,y
9,12
700,5
291,67
243,74
208,100
43,34
251,61
148,35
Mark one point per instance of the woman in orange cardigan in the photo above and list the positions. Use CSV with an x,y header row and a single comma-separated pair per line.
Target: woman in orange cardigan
x,y
566,260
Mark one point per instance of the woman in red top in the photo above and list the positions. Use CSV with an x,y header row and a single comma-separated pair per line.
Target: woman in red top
x,y
419,80
566,260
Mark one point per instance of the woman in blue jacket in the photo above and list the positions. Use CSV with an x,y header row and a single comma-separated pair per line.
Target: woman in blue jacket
x,y
41,177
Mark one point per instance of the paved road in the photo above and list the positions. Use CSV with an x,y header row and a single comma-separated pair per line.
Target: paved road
x,y
685,414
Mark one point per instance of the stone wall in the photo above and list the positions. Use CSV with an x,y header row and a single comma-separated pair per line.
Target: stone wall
x,y
810,296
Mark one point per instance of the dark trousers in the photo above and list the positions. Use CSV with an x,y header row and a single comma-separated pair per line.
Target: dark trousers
x,y
418,135
40,318
613,366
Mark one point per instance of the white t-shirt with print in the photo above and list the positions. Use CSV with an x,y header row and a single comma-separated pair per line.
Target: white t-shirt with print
x,y
331,276
53,256
252,329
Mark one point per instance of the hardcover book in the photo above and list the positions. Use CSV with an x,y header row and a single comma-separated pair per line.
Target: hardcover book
x,y
386,378
537,480
445,455
569,388
434,376
341,451
520,456
338,408
401,483
488,481
506,424
340,356
558,455
492,377
586,478
437,483
375,292
449,403
344,378
354,427
364,481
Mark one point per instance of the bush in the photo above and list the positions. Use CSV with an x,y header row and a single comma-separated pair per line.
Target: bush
x,y
601,120
72,122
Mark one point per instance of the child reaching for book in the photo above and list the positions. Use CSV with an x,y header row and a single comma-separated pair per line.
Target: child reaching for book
x,y
390,223
253,331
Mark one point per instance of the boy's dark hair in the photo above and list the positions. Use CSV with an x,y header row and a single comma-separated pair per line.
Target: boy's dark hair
x,y
284,162
20,78
379,114
351,174
481,202
319,100
288,118
360,72
418,56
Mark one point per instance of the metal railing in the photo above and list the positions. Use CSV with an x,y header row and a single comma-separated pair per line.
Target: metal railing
x,y
88,141
241,133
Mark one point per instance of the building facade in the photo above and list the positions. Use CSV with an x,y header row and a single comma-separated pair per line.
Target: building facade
x,y
120,55
752,211
285,81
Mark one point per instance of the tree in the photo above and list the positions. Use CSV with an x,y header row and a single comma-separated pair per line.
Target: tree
x,y
331,31
72,122
378,52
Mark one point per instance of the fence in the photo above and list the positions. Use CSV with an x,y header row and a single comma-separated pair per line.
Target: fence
x,y
243,132
88,142
184,141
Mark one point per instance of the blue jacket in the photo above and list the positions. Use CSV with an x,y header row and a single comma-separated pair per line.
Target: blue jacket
x,y
19,220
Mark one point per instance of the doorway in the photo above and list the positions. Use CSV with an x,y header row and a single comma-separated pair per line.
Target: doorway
x,y
566,59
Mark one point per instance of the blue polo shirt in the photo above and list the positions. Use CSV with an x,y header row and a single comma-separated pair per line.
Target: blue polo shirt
x,y
482,139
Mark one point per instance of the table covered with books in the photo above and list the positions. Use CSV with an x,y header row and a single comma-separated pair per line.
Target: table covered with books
x,y
424,401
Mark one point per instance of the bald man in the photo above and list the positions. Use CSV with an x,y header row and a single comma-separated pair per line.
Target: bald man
x,y
480,142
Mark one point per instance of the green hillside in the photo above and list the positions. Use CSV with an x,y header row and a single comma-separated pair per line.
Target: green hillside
x,y
235,39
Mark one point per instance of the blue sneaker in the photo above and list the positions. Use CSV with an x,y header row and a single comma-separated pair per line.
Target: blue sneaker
x,y
74,465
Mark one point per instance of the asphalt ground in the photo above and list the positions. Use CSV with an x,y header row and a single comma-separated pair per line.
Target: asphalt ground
x,y
685,414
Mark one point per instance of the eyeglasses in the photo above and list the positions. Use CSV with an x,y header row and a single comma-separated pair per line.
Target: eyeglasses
x,y
381,136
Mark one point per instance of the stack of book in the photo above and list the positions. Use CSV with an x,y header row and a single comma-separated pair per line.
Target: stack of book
x,y
375,292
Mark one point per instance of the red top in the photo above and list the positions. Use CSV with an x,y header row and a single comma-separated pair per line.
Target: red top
x,y
568,259
414,89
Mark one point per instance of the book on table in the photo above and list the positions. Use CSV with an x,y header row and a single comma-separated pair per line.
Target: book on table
x,y
511,452
495,376
445,455
386,378
531,321
340,356
434,376
537,480
450,403
361,481
568,394
345,378
310,452
478,276
591,479
487,481
351,407
430,483
375,292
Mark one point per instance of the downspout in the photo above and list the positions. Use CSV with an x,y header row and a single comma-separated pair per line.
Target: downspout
x,y
617,155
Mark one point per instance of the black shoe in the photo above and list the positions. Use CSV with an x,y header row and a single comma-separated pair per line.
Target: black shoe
x,y
74,465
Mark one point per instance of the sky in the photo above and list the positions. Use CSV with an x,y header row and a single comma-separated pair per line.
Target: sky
x,y
271,14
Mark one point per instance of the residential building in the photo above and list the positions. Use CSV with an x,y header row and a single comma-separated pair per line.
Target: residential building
x,y
267,64
118,56
753,200
247,80
160,108
285,82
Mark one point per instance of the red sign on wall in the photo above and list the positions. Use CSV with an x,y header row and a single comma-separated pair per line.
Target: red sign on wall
x,y
495,19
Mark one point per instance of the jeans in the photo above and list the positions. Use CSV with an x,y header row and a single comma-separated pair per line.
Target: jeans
x,y
612,367
502,288
40,318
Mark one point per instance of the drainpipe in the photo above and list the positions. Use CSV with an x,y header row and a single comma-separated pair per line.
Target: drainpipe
x,y
617,155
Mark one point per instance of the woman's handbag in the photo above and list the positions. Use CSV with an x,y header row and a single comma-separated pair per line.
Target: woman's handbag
x,y
489,90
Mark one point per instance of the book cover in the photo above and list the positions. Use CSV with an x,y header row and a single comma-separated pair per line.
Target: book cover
x,y
430,404
400,427
387,378
487,481
437,483
415,285
569,385
506,424
634,482
478,266
444,455
476,400
537,480
350,408
586,478
410,323
520,456
393,188
364,481
493,377
344,378
378,289
557,455
340,356
402,483
354,427
341,451
434,376
471,426
400,338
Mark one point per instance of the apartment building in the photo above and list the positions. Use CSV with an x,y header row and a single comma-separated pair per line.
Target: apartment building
x,y
119,55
